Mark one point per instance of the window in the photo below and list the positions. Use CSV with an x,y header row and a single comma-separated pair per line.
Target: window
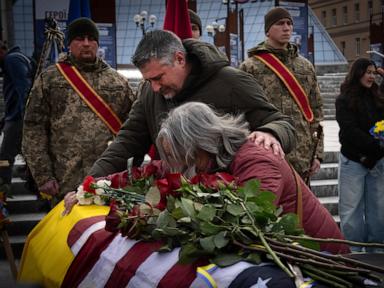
x,y
357,12
334,17
345,15
324,18
342,44
358,47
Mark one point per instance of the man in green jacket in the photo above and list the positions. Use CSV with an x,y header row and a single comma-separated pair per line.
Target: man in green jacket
x,y
177,72
278,29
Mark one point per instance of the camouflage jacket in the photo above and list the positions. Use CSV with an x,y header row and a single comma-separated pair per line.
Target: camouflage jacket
x,y
278,94
62,136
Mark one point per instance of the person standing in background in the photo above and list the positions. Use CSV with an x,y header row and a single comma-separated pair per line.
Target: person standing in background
x,y
76,107
17,70
195,24
361,166
276,62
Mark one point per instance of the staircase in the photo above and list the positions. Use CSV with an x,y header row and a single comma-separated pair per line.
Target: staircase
x,y
330,88
24,208
324,183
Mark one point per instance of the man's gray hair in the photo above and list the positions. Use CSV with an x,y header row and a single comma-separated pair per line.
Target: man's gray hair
x,y
195,126
157,44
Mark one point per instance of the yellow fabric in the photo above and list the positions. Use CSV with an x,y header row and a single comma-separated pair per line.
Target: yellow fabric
x,y
46,255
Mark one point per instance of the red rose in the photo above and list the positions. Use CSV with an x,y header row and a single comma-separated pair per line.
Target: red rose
x,y
209,180
87,184
149,170
225,177
168,186
174,182
136,173
112,220
118,180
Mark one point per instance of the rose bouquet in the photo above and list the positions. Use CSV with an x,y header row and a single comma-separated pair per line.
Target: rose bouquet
x,y
211,217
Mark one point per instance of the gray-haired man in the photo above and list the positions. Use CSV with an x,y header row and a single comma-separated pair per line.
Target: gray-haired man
x,y
179,72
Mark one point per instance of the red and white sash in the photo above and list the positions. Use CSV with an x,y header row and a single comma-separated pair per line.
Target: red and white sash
x,y
290,81
90,96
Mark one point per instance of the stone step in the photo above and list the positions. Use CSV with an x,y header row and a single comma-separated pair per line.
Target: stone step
x,y
331,157
26,203
18,187
329,106
328,94
17,245
331,203
22,224
329,89
324,188
329,117
329,111
327,171
329,100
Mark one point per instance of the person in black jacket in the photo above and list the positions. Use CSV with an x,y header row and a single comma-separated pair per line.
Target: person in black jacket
x,y
361,166
17,70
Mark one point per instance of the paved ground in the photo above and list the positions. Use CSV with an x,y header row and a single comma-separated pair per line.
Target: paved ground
x,y
331,143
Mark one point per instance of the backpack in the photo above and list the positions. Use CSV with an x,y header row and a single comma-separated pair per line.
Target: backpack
x,y
31,62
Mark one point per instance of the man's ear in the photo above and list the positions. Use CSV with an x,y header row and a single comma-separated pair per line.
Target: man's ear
x,y
180,58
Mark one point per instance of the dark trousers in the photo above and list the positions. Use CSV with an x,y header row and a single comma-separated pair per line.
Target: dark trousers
x,y
10,147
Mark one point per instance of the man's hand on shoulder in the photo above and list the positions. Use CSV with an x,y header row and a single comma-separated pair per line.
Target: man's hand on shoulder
x,y
268,141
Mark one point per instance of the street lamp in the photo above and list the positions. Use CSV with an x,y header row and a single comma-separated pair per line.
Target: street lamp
x,y
213,28
142,21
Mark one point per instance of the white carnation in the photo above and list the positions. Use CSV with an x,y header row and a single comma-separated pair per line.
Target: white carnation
x,y
84,200
98,201
103,184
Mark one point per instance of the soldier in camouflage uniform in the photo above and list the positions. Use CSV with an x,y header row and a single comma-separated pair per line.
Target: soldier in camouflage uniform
x,y
278,29
63,137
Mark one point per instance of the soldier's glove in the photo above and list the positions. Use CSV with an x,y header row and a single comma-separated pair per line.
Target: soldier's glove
x,y
51,187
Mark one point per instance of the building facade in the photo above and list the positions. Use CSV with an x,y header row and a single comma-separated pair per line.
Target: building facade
x,y
349,23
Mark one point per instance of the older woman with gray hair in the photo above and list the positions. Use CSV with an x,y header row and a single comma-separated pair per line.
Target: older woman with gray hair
x,y
194,139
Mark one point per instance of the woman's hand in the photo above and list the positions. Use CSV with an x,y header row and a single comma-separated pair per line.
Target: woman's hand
x,y
380,71
69,201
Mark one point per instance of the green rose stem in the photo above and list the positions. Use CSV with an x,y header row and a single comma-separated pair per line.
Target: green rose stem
x,y
308,269
304,260
326,256
326,279
135,196
330,240
264,242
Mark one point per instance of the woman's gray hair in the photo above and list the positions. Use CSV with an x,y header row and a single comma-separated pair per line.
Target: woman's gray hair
x,y
157,44
195,126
